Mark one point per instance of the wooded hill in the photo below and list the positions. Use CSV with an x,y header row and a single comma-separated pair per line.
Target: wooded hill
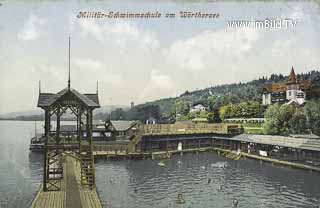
x,y
164,110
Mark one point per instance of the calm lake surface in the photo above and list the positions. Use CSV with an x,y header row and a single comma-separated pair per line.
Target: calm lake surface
x,y
142,183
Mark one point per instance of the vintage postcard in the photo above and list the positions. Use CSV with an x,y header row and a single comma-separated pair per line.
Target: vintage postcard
x,y
159,104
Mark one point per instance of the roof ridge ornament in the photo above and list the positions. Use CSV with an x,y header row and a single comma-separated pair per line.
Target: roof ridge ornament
x,y
39,86
97,87
69,66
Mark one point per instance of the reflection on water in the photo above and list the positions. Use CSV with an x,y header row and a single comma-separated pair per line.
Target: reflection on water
x,y
143,183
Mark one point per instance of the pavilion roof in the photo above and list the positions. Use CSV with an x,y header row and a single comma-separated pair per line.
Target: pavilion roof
x,y
48,99
121,125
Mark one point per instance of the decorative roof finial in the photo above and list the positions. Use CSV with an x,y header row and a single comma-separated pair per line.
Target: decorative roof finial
x,y
97,87
69,66
39,86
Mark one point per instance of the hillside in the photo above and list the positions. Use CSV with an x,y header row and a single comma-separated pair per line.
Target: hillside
x,y
211,97
164,110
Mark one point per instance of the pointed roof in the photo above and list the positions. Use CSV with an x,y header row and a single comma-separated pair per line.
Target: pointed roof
x,y
121,125
48,99
292,76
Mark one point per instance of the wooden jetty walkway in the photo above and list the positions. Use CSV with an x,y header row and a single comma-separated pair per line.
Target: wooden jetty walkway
x,y
72,194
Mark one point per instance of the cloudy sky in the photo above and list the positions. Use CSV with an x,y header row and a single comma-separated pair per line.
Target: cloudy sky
x,y
142,60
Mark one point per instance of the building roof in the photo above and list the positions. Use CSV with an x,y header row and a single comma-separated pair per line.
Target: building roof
x,y
307,136
121,125
275,87
283,141
151,119
295,102
292,76
48,99
282,87
199,105
93,97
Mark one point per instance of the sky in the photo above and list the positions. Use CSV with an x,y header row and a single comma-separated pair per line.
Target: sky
x,y
142,60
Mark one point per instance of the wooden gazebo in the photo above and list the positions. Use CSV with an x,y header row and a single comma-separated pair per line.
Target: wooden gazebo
x,y
82,106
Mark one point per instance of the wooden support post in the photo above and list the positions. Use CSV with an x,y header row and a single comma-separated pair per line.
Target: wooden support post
x,y
45,156
88,126
91,151
79,134
58,126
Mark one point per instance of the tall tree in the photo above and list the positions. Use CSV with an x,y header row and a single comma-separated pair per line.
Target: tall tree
x,y
298,123
312,112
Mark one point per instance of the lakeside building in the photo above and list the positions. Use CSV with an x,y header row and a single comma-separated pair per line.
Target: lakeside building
x,y
292,92
151,121
197,108
122,130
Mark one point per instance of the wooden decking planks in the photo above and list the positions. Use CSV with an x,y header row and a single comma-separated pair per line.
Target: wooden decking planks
x,y
89,198
70,193
72,188
54,199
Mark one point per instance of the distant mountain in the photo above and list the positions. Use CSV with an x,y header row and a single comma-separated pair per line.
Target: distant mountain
x,y
39,114
21,113
109,108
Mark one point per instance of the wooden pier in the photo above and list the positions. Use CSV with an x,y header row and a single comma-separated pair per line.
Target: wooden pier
x,y
72,193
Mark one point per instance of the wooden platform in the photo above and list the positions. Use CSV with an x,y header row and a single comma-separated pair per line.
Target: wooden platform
x,y
72,194
54,199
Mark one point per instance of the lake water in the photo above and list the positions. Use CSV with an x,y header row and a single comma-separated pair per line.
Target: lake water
x,y
143,183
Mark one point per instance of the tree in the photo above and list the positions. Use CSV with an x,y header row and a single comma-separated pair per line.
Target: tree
x,y
285,114
214,117
241,110
180,107
284,119
182,118
225,112
298,123
202,114
272,123
118,114
192,115
312,112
